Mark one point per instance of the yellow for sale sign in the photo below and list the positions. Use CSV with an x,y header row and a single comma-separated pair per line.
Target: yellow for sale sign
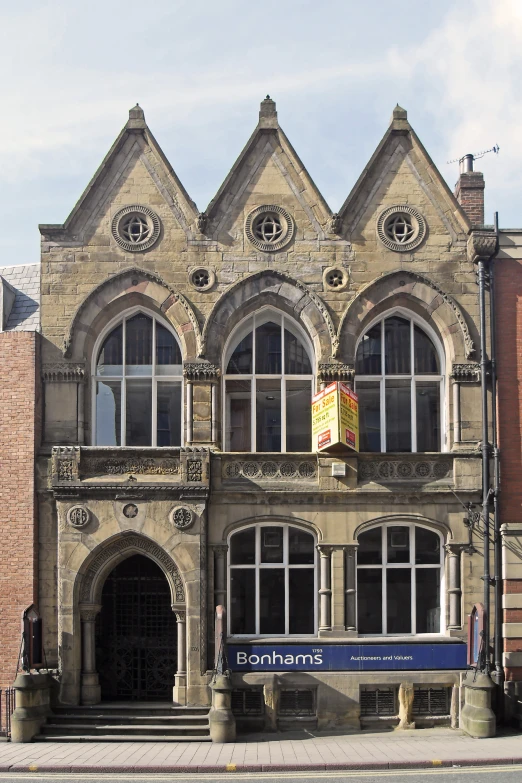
x,y
335,418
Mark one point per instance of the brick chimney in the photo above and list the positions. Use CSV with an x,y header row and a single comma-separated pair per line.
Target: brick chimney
x,y
469,191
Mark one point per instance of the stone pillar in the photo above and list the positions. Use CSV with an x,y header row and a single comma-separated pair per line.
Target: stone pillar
x,y
190,397
456,411
90,682
221,720
325,589
179,693
214,413
32,705
477,718
350,593
220,575
405,706
454,586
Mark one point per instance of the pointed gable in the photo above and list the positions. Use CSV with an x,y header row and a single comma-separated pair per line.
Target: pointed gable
x,y
134,171
268,171
400,172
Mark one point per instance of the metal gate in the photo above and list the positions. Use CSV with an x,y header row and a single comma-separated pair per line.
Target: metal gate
x,y
136,634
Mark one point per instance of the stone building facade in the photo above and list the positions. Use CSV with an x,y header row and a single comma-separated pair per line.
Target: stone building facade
x,y
179,353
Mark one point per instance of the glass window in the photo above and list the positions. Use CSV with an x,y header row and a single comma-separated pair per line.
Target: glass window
x,y
268,408
399,399
137,385
272,581
398,580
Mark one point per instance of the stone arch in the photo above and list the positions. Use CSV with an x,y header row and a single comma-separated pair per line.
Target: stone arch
x,y
128,288
279,290
302,524
411,290
102,560
411,519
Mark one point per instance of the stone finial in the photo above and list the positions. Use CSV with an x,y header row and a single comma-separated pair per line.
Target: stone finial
x,y
268,113
136,117
399,113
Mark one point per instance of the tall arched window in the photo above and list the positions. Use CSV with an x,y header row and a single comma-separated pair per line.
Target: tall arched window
x,y
137,384
399,381
272,589
268,385
399,572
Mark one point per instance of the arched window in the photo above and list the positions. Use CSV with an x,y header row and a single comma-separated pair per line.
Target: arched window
x,y
137,384
268,386
399,381
272,588
399,572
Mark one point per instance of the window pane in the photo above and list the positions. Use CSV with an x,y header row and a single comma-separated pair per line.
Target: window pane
x,y
428,415
241,359
268,415
301,547
398,600
271,544
398,543
368,361
272,600
428,600
242,600
369,551
268,349
110,358
301,600
296,358
243,547
397,346
398,415
369,600
427,546
369,415
138,346
426,358
138,423
168,425
238,405
298,416
168,355
108,413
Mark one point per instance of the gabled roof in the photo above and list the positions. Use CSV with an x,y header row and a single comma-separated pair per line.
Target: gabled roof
x,y
400,139
136,127
20,292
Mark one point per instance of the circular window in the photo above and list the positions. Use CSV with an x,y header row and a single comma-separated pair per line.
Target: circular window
x,y
202,279
401,228
269,228
136,228
335,279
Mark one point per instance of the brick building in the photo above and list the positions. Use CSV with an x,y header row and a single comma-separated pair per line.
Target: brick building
x,y
20,425
176,471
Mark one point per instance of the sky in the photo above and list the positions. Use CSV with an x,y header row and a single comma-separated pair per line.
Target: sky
x,y
336,68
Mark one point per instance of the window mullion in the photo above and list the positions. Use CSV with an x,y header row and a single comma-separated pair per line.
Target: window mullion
x,y
154,432
413,396
287,580
283,413
257,579
253,413
384,581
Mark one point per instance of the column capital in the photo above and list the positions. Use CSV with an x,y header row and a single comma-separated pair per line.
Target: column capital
x,y
219,549
89,612
325,550
454,548
181,614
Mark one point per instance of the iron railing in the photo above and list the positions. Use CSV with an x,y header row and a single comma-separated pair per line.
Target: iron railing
x,y
7,705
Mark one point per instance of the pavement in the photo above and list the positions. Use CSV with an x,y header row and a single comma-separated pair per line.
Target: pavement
x,y
286,752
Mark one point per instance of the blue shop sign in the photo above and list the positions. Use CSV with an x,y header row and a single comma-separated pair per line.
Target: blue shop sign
x,y
345,657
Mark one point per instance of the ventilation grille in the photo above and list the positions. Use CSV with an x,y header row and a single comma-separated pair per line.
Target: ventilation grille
x,y
431,701
381,701
297,703
248,701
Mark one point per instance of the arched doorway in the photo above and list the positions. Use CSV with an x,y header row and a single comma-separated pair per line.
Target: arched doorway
x,y
136,635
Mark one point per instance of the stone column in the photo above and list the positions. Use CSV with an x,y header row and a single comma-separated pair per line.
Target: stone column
x,y
454,586
190,397
90,682
214,413
350,593
456,411
180,679
220,575
325,589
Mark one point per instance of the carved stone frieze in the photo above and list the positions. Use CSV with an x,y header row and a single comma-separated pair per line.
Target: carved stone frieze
x,y
118,466
481,244
201,371
131,542
466,372
328,372
384,470
271,470
63,372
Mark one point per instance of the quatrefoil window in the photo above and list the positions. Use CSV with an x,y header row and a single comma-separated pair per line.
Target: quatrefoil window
x,y
401,228
136,228
269,228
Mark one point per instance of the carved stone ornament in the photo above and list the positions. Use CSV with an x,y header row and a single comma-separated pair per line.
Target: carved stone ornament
x,y
63,372
466,373
328,372
271,470
201,371
118,466
78,516
382,471
65,464
194,470
481,244
136,228
269,228
130,510
202,221
336,223
401,228
182,517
